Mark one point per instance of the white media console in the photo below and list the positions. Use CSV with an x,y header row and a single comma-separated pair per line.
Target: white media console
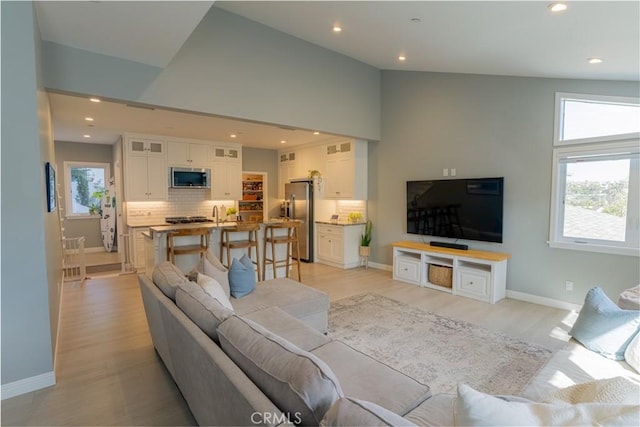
x,y
475,274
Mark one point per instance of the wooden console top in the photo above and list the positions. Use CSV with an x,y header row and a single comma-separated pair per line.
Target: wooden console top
x,y
471,253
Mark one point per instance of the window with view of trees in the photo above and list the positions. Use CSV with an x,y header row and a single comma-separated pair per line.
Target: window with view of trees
x,y
596,188
84,186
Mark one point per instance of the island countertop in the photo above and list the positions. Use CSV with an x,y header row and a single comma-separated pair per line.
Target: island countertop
x,y
340,223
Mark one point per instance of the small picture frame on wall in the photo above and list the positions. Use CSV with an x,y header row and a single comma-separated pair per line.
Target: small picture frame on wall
x,y
50,182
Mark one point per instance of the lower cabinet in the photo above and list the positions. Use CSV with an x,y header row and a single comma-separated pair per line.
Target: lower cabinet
x,y
137,249
480,275
338,244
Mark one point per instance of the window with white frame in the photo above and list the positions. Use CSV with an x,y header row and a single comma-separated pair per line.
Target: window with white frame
x,y
85,183
596,174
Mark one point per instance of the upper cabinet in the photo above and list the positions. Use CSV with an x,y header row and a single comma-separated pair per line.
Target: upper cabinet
x,y
345,175
287,169
146,175
188,154
226,173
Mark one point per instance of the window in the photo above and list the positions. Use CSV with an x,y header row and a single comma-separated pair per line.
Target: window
x,y
84,184
596,186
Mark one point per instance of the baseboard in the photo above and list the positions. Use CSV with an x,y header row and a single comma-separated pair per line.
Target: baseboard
x,y
549,302
27,385
380,266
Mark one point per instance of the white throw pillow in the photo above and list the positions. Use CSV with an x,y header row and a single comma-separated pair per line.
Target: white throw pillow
x,y
212,287
632,353
212,267
473,408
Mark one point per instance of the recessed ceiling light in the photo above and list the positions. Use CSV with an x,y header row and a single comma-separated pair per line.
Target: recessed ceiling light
x,y
557,7
89,119
402,58
86,135
283,142
316,133
94,99
337,28
594,60
233,135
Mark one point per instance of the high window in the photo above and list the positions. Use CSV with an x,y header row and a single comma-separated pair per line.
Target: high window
x,y
596,190
84,185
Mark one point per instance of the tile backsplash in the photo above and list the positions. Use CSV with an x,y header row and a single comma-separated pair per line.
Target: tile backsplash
x,y
181,202
345,207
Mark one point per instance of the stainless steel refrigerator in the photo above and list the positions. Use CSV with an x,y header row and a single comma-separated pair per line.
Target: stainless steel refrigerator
x,y
299,197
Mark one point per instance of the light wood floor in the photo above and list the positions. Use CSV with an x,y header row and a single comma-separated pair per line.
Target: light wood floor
x,y
109,374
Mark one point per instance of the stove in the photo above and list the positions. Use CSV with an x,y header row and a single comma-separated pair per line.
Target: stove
x,y
186,219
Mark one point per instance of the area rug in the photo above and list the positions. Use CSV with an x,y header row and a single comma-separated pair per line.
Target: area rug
x,y
433,349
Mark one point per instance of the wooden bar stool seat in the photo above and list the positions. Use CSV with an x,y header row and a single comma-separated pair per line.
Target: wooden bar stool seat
x,y
196,248
227,243
289,237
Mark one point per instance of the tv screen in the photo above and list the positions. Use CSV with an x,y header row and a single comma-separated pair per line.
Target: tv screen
x,y
457,208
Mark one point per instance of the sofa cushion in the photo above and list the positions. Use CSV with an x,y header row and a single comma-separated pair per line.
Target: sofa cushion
x,y
618,390
167,277
212,267
604,327
212,287
435,411
363,377
288,327
473,408
300,301
296,381
204,310
242,278
348,411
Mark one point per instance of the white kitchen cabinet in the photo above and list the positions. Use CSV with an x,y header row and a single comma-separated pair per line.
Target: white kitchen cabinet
x,y
146,175
226,173
338,244
188,154
345,174
138,250
287,169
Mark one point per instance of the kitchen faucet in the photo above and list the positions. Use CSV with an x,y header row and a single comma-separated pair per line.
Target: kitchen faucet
x,y
215,214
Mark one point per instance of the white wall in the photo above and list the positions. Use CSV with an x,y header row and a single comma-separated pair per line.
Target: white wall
x,y
486,126
31,269
235,67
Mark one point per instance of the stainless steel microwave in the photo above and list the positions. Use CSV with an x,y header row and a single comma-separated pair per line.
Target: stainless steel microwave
x,y
190,178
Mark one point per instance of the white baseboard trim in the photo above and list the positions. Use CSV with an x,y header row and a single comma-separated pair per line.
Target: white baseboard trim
x,y
549,302
27,385
380,266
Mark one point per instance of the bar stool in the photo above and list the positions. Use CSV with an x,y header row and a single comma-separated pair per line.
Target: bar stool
x,y
249,243
288,237
202,248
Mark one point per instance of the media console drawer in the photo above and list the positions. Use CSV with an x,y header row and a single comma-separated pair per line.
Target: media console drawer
x,y
474,284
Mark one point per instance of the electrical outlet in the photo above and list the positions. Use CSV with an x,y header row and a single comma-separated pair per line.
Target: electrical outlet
x,y
568,286
445,172
453,171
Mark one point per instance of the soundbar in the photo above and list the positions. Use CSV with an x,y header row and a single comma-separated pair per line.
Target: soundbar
x,y
450,245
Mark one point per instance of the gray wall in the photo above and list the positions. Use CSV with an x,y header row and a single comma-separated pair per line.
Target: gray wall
x,y
258,160
235,67
82,152
487,126
31,254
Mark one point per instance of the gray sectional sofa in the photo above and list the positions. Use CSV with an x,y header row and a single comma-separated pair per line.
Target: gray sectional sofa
x,y
269,362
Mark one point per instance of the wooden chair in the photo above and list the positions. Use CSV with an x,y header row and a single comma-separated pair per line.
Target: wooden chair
x,y
201,248
289,237
226,242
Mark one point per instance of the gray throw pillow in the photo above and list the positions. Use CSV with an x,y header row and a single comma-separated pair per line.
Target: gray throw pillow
x,y
298,382
203,309
167,277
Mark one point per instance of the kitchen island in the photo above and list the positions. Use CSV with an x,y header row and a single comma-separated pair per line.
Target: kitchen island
x,y
156,245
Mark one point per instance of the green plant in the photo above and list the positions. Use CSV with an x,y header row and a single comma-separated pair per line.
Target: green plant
x,y
232,211
365,239
315,173
355,217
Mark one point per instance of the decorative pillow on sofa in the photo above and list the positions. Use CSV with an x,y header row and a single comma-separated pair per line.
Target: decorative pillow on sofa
x,y
167,277
473,408
298,382
632,353
348,411
604,327
212,267
212,287
629,299
203,309
242,278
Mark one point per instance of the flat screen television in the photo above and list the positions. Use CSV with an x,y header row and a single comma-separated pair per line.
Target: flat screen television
x,y
468,209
